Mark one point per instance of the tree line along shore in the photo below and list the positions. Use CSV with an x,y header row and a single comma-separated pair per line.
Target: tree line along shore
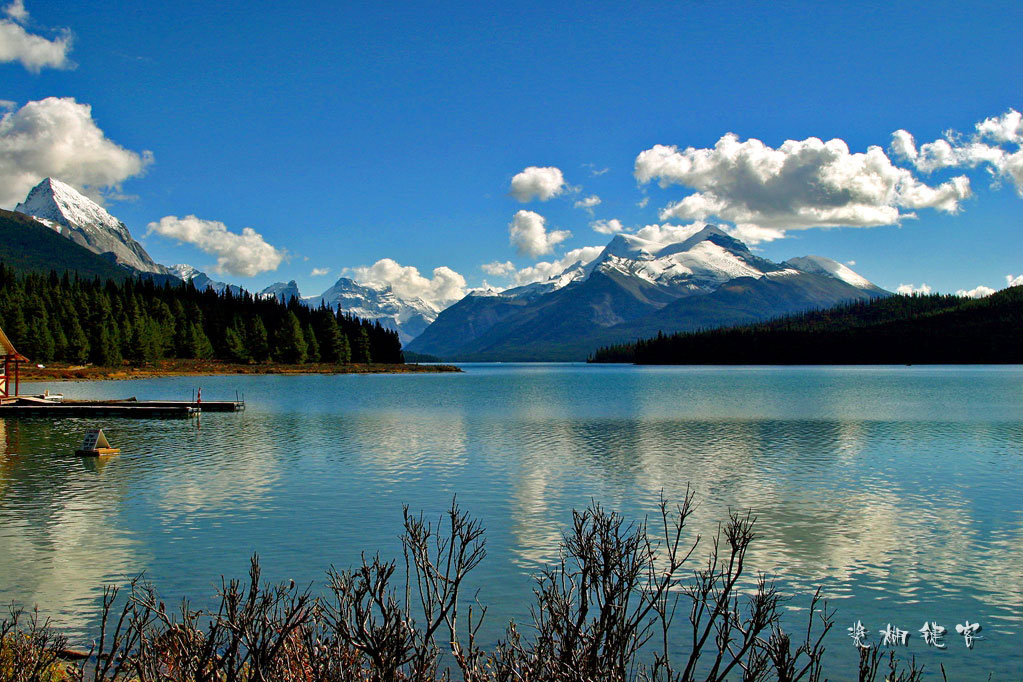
x,y
915,329
95,329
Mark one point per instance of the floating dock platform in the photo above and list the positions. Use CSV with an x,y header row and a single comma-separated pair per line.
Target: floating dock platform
x,y
34,406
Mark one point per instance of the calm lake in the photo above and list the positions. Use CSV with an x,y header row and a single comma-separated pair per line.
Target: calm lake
x,y
899,489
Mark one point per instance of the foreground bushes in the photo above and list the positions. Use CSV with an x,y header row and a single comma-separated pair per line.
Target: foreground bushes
x,y
610,609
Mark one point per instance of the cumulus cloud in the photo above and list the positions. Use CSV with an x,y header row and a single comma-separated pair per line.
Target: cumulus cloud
x,y
643,202
57,137
802,184
978,292
528,233
588,203
910,289
538,183
1013,281
976,150
319,272
544,270
16,10
613,226
498,269
754,234
669,234
244,254
446,285
33,51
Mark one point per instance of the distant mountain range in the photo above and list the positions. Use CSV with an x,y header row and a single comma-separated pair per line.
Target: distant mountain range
x,y
635,288
408,316
70,214
701,278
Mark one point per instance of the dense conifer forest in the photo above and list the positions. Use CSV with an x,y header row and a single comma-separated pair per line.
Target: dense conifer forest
x,y
934,329
77,320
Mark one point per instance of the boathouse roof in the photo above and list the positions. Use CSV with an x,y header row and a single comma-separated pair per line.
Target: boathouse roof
x,y
8,347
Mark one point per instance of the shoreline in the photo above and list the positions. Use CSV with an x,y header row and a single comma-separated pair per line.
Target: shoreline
x,y
172,368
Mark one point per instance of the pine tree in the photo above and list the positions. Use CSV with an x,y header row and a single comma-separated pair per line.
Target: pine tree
x,y
312,352
256,340
361,348
289,342
332,340
234,342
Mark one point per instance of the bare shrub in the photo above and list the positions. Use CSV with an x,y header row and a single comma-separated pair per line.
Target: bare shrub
x,y
619,605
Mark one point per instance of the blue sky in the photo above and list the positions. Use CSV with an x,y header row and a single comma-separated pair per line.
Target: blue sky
x,y
348,133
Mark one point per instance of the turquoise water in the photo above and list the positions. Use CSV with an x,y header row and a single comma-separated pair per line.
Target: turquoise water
x,y
900,490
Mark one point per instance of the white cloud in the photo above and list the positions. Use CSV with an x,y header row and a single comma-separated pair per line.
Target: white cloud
x,y
588,203
613,226
955,151
544,270
33,51
910,289
977,292
1005,128
802,184
643,202
244,254
669,234
446,285
319,272
850,263
538,183
57,137
498,269
528,233
1013,281
8,105
16,10
754,234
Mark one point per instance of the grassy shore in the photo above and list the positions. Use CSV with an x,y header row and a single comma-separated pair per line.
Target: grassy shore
x,y
169,368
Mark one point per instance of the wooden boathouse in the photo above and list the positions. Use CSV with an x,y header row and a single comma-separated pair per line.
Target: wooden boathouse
x,y
12,361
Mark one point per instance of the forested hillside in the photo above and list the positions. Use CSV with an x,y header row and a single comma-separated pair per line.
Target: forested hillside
x,y
74,320
933,329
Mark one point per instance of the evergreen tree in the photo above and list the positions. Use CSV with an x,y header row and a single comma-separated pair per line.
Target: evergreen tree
x,y
332,341
361,349
256,340
289,342
312,353
234,341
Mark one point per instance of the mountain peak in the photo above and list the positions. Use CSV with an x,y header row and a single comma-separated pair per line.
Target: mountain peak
x,y
70,213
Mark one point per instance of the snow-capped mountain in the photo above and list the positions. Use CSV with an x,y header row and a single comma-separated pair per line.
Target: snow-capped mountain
x,y
68,212
634,288
282,291
408,316
201,280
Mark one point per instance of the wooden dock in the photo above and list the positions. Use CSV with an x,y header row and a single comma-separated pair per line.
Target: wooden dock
x,y
33,406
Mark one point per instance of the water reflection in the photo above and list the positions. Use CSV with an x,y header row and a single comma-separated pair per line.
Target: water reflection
x,y
898,490
60,538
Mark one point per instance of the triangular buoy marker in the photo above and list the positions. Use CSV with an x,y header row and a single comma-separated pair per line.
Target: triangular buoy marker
x,y
95,444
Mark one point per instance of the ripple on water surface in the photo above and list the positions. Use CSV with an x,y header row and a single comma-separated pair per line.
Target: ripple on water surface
x,y
898,489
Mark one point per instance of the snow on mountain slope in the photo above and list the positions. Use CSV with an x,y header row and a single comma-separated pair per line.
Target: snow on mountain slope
x,y
201,280
699,263
825,266
409,317
282,291
73,215
663,278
